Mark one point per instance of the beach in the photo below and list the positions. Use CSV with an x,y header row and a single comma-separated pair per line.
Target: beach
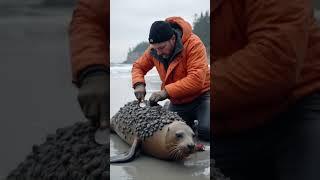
x,y
145,167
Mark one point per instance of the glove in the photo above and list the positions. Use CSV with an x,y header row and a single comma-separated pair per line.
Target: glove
x,y
158,96
140,92
93,100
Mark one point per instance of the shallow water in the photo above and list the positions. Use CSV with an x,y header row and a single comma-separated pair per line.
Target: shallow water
x,y
145,167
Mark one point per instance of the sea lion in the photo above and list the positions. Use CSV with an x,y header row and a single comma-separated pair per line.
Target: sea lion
x,y
154,130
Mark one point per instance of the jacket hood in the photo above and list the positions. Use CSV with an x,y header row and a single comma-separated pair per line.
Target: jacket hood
x,y
185,26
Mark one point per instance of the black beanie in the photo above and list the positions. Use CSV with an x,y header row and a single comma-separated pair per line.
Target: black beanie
x,y
160,31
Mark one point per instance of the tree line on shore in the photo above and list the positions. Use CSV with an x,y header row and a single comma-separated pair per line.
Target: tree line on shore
x,y
201,27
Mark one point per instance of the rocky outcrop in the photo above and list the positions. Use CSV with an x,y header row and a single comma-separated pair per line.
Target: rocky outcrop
x,y
70,154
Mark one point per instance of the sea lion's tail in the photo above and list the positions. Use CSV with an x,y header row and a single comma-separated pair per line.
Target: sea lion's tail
x,y
128,156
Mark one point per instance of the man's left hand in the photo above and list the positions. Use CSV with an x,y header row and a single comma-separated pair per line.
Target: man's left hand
x,y
158,96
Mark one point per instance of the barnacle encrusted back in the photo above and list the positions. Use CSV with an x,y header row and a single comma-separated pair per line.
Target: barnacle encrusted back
x,y
143,121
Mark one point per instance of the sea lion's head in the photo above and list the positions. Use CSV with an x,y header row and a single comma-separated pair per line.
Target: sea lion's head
x,y
180,140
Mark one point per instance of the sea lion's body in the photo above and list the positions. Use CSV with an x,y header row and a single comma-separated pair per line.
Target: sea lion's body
x,y
155,129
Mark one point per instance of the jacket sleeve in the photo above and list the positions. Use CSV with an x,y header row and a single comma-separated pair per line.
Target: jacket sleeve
x,y
197,67
88,33
140,68
268,67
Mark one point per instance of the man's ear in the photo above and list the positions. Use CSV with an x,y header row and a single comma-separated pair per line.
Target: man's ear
x,y
173,37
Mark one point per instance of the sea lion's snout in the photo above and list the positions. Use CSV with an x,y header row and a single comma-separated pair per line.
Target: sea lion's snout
x,y
191,147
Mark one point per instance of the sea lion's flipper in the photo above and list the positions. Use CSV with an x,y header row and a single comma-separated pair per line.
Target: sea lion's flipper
x,y
129,156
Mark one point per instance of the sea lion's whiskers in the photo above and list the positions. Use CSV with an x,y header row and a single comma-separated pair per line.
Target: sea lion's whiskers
x,y
173,151
173,147
175,155
180,154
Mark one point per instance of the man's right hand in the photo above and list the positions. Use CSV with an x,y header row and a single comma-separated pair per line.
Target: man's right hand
x,y
92,98
140,92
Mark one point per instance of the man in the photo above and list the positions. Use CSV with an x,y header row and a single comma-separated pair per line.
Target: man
x,y
89,37
266,89
181,61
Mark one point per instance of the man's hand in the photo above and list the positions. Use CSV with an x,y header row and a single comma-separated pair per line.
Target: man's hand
x,y
140,92
92,98
158,96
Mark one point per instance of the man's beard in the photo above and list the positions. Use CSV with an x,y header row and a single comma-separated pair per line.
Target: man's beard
x,y
165,56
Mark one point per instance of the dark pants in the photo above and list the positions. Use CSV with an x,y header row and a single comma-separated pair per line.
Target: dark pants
x,y
286,149
199,109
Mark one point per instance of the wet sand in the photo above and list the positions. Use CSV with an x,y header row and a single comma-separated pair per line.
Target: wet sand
x,y
145,167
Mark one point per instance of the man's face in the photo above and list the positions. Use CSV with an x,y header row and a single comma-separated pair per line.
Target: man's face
x,y
164,49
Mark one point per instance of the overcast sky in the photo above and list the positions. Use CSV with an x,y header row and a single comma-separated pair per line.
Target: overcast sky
x,y
130,20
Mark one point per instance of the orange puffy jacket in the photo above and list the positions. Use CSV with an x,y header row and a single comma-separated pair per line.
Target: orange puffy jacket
x,y
266,56
187,76
89,37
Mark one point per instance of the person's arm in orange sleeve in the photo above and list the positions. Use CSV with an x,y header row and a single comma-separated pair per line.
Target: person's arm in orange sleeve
x,y
140,68
267,67
196,73
89,41
88,35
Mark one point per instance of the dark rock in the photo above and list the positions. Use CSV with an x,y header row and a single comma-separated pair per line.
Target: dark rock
x,y
69,154
143,121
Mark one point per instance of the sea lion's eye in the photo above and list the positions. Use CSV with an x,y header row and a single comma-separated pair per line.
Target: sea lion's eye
x,y
179,135
193,135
